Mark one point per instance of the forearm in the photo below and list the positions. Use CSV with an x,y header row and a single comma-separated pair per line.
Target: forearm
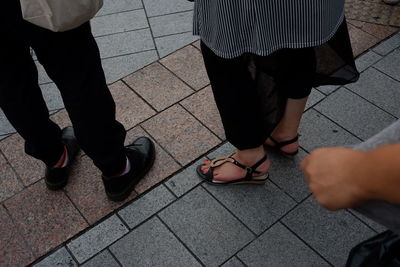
x,y
380,170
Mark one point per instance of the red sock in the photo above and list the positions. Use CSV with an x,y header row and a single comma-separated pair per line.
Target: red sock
x,y
63,160
124,171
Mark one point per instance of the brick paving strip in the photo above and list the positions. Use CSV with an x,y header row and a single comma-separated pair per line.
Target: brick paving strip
x,y
182,222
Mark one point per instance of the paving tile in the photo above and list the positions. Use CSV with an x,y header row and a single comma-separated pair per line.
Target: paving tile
x,y
360,40
379,31
202,106
146,206
354,113
328,89
257,206
332,234
104,259
279,247
86,191
163,167
222,151
356,23
13,249
184,181
161,7
318,131
374,225
168,44
180,134
395,19
120,22
116,68
61,118
390,64
97,238
45,218
116,6
158,86
125,43
27,168
52,96
233,262
60,257
171,23
367,60
388,46
130,108
9,183
5,125
197,44
188,65
288,176
152,244
315,97
42,75
206,228
379,89
4,136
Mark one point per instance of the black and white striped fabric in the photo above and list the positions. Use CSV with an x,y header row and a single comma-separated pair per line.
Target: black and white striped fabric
x,y
233,27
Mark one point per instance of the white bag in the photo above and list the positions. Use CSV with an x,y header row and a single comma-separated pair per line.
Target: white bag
x,y
59,15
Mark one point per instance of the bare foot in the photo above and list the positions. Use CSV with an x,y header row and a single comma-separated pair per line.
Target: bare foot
x,y
230,172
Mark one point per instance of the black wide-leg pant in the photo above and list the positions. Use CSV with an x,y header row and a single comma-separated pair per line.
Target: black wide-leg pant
x,y
250,105
72,61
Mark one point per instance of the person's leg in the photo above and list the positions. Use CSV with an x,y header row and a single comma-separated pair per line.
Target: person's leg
x,y
240,109
295,79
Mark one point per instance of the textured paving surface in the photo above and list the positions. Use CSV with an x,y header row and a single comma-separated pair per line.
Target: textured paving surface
x,y
374,11
181,221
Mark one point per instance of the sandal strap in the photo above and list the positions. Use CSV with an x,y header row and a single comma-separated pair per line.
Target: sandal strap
x,y
284,143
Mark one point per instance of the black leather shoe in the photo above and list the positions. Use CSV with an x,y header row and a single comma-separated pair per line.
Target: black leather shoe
x,y
57,178
141,154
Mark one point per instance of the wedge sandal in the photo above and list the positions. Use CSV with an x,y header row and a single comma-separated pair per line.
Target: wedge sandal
x,y
248,179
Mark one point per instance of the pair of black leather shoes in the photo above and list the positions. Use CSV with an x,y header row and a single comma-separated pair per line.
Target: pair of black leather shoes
x,y
141,154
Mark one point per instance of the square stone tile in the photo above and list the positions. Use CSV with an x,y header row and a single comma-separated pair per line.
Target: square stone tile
x,y
130,108
233,262
9,183
86,191
257,206
52,96
152,244
388,46
125,43
206,228
61,118
332,234
170,43
158,86
180,134
379,89
97,238
14,251
202,106
116,6
116,68
328,89
354,113
163,167
187,63
279,247
185,180
287,175
45,218
5,125
120,22
360,40
374,225
390,64
60,257
367,60
379,31
161,7
27,168
104,259
146,206
318,131
315,97
171,23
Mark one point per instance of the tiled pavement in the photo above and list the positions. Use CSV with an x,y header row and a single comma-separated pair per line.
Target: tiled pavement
x,y
183,222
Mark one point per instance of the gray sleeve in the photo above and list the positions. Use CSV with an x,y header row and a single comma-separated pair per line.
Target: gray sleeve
x,y
382,212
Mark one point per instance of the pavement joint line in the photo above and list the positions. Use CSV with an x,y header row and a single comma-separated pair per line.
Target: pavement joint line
x,y
180,241
73,204
141,97
128,54
173,13
113,256
114,13
16,175
151,29
116,33
387,75
69,251
361,220
172,34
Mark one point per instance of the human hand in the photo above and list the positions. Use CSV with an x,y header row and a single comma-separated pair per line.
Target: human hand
x,y
336,176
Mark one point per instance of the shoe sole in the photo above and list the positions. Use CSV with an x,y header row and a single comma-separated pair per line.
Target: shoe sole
x,y
55,187
122,196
